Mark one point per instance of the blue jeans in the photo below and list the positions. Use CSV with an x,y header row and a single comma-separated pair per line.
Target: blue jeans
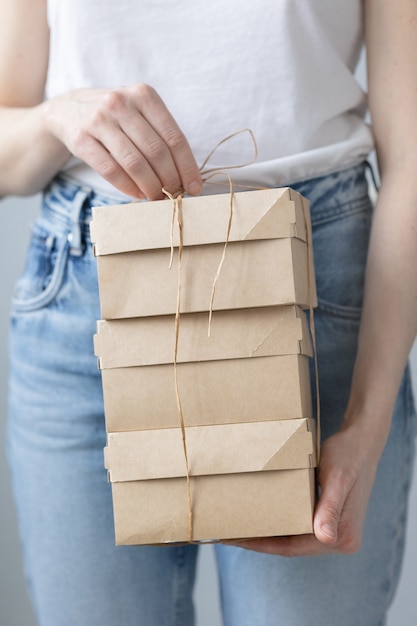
x,y
75,573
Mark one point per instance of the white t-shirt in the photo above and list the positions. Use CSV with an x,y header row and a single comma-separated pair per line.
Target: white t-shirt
x,y
283,68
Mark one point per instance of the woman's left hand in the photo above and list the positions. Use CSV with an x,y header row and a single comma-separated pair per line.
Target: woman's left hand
x,y
346,476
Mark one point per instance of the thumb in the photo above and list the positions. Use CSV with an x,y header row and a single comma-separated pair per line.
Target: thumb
x,y
329,511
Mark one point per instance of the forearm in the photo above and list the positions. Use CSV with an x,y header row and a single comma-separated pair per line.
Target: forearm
x,y
389,321
29,154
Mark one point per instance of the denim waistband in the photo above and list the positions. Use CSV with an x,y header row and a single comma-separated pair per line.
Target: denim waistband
x,y
68,204
338,192
63,190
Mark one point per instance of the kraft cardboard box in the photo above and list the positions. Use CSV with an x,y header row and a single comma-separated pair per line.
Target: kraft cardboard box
x,y
268,261
242,391
247,480
254,363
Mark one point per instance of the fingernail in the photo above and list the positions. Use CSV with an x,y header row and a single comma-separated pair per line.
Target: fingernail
x,y
194,188
329,531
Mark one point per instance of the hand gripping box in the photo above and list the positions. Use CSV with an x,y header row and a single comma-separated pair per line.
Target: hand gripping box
x,y
244,391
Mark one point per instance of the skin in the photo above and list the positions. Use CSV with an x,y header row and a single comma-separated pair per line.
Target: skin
x,y
126,134
130,138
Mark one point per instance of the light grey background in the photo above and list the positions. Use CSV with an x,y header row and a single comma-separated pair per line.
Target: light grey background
x,y
16,216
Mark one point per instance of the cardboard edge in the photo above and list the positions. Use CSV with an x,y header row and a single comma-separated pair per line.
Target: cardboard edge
x,y
295,450
118,356
266,227
312,278
104,246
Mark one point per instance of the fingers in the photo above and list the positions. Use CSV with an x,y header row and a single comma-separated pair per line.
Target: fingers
x,y
97,157
345,489
323,541
297,545
167,129
130,138
341,536
346,477
328,513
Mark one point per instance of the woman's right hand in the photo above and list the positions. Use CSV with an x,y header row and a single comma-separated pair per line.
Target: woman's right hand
x,y
128,136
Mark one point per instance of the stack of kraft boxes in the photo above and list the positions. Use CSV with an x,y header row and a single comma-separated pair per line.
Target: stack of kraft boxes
x,y
246,467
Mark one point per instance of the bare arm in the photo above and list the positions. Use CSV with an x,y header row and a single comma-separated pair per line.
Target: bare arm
x,y
126,134
29,155
389,322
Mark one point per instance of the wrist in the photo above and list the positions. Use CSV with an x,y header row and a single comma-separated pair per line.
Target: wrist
x,y
51,125
50,119
369,424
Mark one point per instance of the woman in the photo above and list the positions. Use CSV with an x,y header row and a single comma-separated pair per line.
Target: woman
x,y
284,69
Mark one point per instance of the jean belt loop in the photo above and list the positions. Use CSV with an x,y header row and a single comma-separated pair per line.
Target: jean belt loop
x,y
75,234
373,184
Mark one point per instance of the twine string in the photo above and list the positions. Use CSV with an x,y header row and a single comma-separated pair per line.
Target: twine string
x,y
176,200
177,218
213,170
207,175
219,268
177,213
313,331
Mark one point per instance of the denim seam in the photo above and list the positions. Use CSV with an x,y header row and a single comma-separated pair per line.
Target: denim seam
x,y
46,296
179,589
339,310
342,210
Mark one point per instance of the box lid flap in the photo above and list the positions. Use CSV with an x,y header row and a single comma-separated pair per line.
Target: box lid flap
x,y
260,214
211,450
267,331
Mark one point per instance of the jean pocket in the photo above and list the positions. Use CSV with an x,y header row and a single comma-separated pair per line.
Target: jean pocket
x,y
44,271
340,253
